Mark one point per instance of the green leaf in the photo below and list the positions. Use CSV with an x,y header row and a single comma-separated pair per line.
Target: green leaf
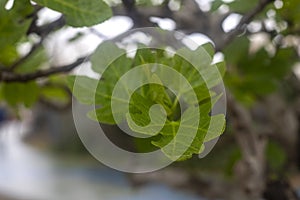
x,y
99,92
55,94
199,58
176,141
112,63
158,94
242,6
259,74
80,12
290,11
103,115
217,128
20,93
140,121
33,62
145,55
174,144
198,70
85,90
104,55
209,48
221,67
236,50
152,109
14,24
8,54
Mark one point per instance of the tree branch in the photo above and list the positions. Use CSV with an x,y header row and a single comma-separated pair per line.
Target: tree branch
x,y
13,77
139,18
47,28
42,31
98,34
189,19
246,19
24,58
250,171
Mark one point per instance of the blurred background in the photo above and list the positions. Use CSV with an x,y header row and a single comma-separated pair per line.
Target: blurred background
x,y
42,157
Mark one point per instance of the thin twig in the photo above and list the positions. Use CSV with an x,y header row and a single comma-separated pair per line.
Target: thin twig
x,y
42,31
98,34
24,58
47,28
246,19
13,77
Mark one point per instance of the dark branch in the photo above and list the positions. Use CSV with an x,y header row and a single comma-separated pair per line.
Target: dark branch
x,y
146,12
139,19
13,77
246,19
129,4
34,16
24,58
42,31
98,34
47,28
189,19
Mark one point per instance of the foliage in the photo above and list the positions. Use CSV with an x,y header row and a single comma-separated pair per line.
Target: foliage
x,y
258,74
89,91
251,75
80,13
14,28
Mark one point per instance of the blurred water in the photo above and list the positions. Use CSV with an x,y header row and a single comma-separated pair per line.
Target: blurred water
x,y
29,174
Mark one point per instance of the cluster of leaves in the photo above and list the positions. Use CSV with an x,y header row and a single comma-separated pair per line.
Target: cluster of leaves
x,y
251,74
100,92
15,25
80,13
256,74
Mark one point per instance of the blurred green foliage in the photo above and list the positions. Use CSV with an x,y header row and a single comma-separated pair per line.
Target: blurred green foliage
x,y
251,75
